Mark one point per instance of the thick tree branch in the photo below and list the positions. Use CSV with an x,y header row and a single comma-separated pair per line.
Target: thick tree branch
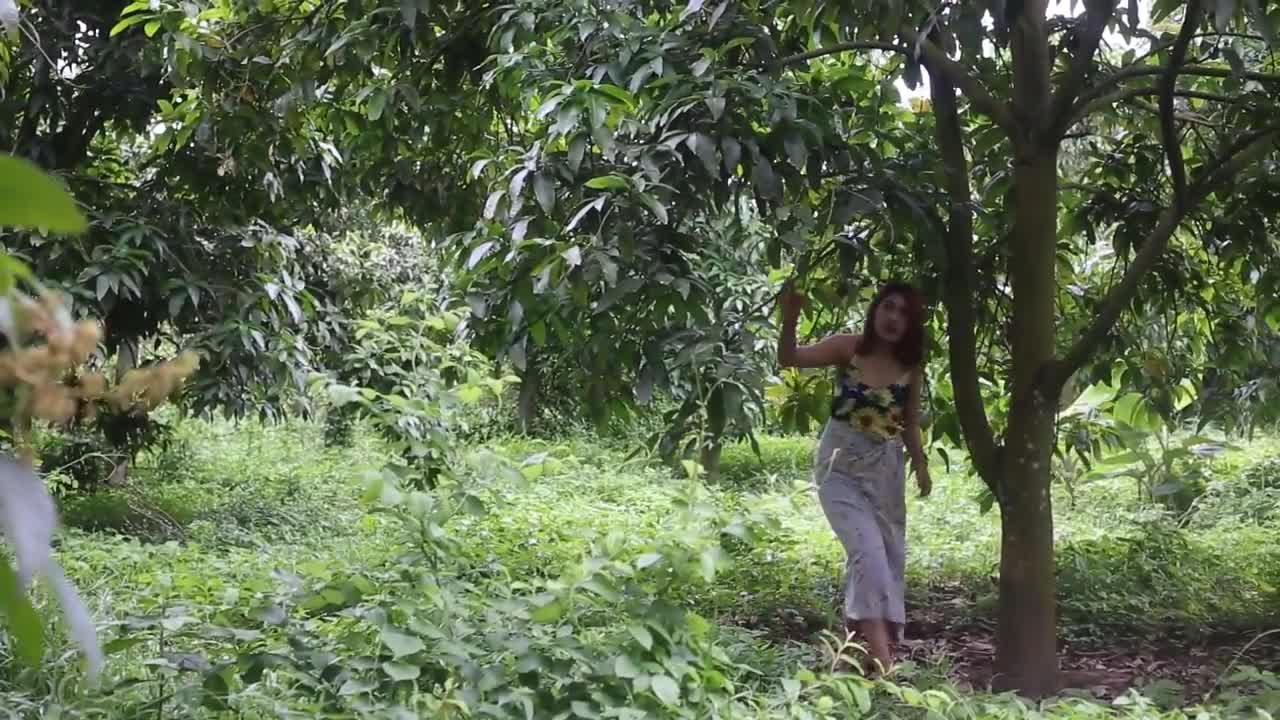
x,y
958,77
958,293
1032,91
1107,86
1097,14
1168,128
1232,161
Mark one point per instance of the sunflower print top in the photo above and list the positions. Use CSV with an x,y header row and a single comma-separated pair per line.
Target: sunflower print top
x,y
879,411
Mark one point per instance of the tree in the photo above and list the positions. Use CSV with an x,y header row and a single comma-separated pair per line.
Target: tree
x,y
1036,118
208,225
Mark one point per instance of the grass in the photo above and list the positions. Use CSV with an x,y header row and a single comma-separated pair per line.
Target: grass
x,y
243,543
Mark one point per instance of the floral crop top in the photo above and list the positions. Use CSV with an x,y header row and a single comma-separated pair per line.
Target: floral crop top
x,y
875,410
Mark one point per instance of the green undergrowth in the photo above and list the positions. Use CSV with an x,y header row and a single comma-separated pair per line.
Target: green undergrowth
x,y
578,584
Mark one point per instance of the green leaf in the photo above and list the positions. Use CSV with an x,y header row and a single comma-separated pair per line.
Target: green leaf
x,y
763,178
31,199
614,92
709,560
26,630
572,256
607,182
625,667
656,207
129,22
355,686
716,106
377,104
642,636
692,8
648,560
666,689
577,148
134,7
548,613
796,151
103,286
401,644
479,254
705,148
401,672
862,697
470,394
151,28
544,188
731,151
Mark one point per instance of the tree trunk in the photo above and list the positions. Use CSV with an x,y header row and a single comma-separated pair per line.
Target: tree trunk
x,y
1026,637
527,405
126,360
710,459
1026,646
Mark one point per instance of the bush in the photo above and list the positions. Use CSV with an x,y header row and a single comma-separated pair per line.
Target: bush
x,y
781,460
1252,497
1162,575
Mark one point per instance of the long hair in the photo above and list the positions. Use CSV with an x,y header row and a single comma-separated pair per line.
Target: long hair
x,y
909,350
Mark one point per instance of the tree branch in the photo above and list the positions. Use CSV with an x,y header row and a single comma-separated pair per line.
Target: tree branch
x,y
958,293
940,65
1145,91
805,57
1184,117
1106,86
1232,161
1097,14
938,60
1168,129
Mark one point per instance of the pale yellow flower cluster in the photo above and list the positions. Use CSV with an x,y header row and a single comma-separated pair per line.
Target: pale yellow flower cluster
x,y
44,369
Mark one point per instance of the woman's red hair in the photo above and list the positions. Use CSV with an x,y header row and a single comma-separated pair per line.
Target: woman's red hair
x,y
909,350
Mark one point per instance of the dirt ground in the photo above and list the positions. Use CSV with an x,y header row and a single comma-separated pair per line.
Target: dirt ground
x,y
950,633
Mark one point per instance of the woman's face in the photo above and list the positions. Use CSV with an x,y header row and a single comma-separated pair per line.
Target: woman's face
x,y
891,319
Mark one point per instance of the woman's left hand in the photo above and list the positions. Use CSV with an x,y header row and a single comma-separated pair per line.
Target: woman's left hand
x,y
923,480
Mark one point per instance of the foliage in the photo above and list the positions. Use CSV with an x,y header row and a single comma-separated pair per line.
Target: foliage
x,y
614,184
413,376
1112,437
578,583
42,347
1250,498
193,233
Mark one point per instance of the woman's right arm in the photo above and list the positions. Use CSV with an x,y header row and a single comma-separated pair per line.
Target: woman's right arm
x,y
830,352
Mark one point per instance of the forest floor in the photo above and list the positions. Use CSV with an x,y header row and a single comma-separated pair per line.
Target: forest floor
x,y
1180,608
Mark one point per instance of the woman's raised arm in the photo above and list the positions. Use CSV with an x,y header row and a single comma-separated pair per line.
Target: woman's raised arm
x,y
830,352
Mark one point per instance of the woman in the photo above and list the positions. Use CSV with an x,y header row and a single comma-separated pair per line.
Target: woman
x,y
859,466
